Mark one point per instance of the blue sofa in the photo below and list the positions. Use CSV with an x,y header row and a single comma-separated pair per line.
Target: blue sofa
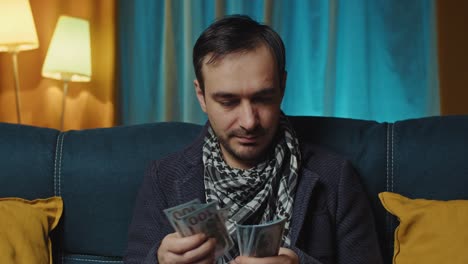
x,y
97,172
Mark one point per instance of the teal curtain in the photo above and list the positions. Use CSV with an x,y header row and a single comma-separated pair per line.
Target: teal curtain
x,y
367,59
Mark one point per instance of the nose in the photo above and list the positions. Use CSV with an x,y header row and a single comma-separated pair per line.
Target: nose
x,y
248,118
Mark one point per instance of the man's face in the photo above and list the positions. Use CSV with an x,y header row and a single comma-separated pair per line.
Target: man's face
x,y
242,99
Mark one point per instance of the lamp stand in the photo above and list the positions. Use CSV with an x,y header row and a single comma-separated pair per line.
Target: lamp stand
x,y
64,100
15,73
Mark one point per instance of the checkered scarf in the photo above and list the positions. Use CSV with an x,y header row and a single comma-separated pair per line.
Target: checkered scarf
x,y
267,187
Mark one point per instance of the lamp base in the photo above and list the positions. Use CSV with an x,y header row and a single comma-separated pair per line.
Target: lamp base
x,y
14,56
64,100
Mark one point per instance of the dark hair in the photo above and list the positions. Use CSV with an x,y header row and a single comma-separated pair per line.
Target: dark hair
x,y
236,33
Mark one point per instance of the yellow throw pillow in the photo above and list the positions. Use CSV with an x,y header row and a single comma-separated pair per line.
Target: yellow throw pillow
x,y
430,231
25,227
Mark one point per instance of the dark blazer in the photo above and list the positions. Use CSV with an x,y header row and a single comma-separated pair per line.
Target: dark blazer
x,y
332,221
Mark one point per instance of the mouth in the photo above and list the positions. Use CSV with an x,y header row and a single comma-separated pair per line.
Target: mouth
x,y
247,140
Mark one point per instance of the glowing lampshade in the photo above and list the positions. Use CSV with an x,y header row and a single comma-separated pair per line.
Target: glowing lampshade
x,y
17,33
17,29
69,55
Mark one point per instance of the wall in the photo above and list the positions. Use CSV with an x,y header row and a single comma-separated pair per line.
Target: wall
x,y
88,105
452,43
93,104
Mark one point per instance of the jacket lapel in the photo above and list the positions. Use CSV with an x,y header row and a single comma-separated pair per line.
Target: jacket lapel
x,y
191,186
301,202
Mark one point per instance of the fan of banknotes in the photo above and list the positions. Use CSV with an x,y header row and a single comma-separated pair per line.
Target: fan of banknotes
x,y
253,240
195,217
260,240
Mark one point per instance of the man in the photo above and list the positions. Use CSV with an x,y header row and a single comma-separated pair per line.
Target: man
x,y
248,159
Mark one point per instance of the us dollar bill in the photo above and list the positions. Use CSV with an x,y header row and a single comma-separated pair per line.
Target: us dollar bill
x,y
262,240
243,232
207,220
175,214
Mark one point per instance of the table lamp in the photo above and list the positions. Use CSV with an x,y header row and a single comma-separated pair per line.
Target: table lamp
x,y
17,33
69,54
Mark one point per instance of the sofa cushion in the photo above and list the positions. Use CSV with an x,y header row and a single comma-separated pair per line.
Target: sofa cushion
x,y
27,161
98,173
428,157
430,231
25,227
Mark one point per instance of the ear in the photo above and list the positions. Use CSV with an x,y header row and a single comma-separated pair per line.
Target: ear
x,y
200,95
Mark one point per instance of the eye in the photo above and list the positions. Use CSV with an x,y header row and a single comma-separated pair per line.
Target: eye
x,y
228,103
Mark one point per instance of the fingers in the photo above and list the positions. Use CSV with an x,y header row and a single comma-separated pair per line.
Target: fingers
x,y
266,260
205,252
192,249
289,253
208,259
179,245
285,255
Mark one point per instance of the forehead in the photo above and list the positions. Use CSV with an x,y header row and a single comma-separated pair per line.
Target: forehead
x,y
241,70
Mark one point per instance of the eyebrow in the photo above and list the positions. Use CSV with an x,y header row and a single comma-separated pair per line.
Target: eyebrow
x,y
227,95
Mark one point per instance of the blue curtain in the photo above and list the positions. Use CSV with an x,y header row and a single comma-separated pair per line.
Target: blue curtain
x,y
367,59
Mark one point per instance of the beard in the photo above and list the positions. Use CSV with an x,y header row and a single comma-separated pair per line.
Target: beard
x,y
247,153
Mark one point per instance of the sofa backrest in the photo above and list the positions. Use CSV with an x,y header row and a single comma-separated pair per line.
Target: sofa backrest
x,y
98,171
418,158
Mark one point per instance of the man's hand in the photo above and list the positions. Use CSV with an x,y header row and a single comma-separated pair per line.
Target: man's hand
x,y
192,249
285,256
